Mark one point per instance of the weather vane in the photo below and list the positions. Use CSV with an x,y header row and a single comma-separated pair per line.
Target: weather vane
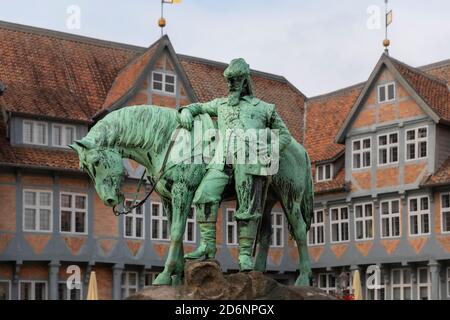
x,y
389,17
162,21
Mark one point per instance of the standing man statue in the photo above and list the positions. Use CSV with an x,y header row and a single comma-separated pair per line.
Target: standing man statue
x,y
237,114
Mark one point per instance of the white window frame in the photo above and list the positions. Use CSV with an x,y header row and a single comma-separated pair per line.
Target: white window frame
x,y
276,228
390,217
164,74
73,211
160,218
126,286
68,291
328,289
377,293
134,216
322,168
402,285
388,147
339,222
9,288
37,207
444,211
33,288
153,276
386,92
424,285
416,143
315,228
361,153
448,282
64,127
364,219
34,135
231,224
193,223
419,215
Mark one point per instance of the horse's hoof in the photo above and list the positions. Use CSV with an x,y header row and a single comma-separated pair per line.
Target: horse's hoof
x,y
303,281
163,280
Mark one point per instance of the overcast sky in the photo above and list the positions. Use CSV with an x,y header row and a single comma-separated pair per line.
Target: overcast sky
x,y
318,45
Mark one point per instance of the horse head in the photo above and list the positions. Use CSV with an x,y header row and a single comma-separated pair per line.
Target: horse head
x,y
105,167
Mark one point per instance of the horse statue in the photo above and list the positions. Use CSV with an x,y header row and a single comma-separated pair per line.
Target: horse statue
x,y
144,134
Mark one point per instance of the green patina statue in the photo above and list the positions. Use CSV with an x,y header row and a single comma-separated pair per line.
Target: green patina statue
x,y
247,126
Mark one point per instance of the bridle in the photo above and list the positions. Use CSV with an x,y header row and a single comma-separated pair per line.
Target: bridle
x,y
129,209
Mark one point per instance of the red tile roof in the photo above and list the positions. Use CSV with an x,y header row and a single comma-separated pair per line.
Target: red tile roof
x,y
56,74
441,177
435,92
333,186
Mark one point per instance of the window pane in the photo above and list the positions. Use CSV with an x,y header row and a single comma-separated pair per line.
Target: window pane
x,y
69,136
157,86
80,202
366,143
366,159
424,203
139,228
413,205
155,210
66,201
39,291
423,149
423,133
165,230
383,156
45,199
383,141
66,221
396,276
320,173
44,219
157,77
128,226
80,221
30,198
393,138
357,145
411,135
357,161
391,92
170,79
40,133
395,206
30,219
328,171
411,151
27,132
446,201
4,291
25,291
170,88
393,154
57,136
382,93
358,211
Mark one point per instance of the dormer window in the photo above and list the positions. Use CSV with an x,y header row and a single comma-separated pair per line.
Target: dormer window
x,y
324,172
62,135
361,153
34,132
386,92
163,82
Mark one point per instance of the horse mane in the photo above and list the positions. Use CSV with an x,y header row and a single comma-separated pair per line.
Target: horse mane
x,y
138,126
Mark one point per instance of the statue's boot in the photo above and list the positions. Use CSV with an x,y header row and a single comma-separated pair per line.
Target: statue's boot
x,y
247,234
207,225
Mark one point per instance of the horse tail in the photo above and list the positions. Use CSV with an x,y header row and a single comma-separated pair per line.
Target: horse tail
x,y
307,202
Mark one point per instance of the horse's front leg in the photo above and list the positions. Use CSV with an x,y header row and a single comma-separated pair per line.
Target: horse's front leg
x,y
181,201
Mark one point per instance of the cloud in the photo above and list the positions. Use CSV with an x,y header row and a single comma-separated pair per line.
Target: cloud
x,y
319,45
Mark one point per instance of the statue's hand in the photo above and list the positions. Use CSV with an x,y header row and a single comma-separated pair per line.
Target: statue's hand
x,y
186,119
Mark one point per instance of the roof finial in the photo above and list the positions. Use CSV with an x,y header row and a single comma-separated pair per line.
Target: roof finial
x,y
162,21
388,16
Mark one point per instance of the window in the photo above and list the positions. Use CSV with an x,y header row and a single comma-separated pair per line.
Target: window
x,y
33,290
37,210
189,233
386,92
129,283
160,223
445,211
34,132
231,228
277,229
64,293
317,230
423,284
448,282
401,284
134,222
324,172
364,221
63,135
390,219
149,277
73,213
361,153
416,143
327,282
5,290
419,216
377,294
388,149
339,223
164,82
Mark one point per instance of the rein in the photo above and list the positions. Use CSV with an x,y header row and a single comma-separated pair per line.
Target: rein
x,y
162,172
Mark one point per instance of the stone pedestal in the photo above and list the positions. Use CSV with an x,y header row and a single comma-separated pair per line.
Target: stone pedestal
x,y
204,280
